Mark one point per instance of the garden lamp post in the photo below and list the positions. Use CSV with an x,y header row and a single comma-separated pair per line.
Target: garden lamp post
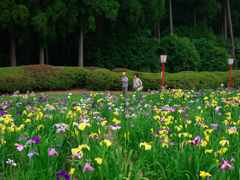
x,y
230,81
163,60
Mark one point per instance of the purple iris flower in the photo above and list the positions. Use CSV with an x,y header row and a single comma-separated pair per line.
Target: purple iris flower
x,y
63,174
61,127
168,108
31,154
2,113
18,113
52,152
196,140
5,105
226,165
88,168
115,127
36,139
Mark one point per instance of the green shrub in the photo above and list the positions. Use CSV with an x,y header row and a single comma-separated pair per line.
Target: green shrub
x,y
212,56
75,76
12,79
38,77
44,77
137,52
196,80
102,79
196,32
182,54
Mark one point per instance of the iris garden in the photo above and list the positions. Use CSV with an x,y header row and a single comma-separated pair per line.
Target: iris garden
x,y
174,134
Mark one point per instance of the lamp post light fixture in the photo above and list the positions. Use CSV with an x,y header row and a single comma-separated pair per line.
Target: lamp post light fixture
x,y
163,60
230,81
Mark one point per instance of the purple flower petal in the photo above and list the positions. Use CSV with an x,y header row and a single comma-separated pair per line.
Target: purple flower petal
x,y
2,113
19,147
52,152
196,140
168,108
226,165
88,168
36,139
63,174
31,154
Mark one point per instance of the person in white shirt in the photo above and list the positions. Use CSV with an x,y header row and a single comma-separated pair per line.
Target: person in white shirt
x,y
124,80
137,83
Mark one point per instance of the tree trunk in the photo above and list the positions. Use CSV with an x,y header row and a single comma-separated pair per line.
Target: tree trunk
x,y
157,31
80,50
41,55
231,28
171,17
194,17
13,60
225,29
46,55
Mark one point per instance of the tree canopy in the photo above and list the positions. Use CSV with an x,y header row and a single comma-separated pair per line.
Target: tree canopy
x,y
101,32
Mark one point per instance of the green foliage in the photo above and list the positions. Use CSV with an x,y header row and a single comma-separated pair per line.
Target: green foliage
x,y
212,56
135,52
40,22
118,33
174,135
238,51
236,16
102,79
13,79
197,80
38,78
182,54
83,13
198,31
138,14
196,12
46,77
13,14
47,20
108,8
75,75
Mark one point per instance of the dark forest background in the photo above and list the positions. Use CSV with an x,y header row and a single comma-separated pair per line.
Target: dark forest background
x,y
197,35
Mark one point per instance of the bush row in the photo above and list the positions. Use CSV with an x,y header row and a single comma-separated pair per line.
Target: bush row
x,y
39,78
199,52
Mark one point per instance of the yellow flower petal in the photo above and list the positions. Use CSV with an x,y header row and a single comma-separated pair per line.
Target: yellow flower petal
x,y
99,160
146,146
72,170
204,174
106,142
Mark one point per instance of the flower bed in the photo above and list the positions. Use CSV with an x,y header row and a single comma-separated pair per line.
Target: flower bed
x,y
173,135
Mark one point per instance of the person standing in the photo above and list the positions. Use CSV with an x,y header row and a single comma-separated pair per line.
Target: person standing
x,y
137,83
124,81
137,86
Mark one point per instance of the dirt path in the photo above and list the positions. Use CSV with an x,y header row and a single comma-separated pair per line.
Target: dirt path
x,y
73,91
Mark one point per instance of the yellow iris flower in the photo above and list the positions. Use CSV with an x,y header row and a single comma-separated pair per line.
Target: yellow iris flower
x,y
146,146
98,160
204,174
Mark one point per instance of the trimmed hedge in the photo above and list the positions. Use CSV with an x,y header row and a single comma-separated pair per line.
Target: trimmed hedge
x,y
44,77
